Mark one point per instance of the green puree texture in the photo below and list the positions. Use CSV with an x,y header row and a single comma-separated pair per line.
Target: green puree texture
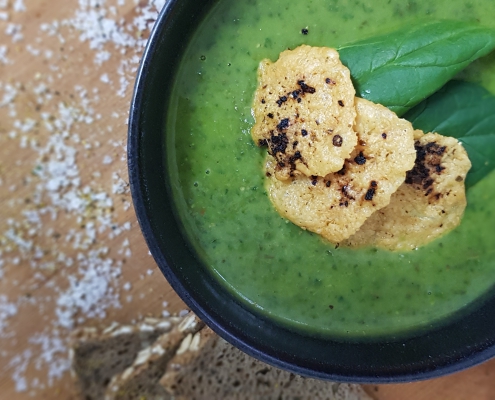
x,y
273,266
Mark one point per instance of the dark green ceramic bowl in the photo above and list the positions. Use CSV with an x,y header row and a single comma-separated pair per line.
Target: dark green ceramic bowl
x,y
460,344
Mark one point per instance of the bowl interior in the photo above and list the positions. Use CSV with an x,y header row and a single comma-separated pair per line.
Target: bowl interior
x,y
460,344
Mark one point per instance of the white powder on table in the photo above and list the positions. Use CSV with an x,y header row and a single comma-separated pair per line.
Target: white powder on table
x,y
57,129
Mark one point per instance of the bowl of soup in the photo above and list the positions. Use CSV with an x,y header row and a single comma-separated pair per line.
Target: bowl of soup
x,y
282,294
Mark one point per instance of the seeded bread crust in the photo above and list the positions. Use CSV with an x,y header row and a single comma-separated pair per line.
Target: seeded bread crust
x,y
97,354
140,380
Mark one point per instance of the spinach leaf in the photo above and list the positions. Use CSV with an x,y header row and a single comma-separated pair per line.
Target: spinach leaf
x,y
465,111
402,68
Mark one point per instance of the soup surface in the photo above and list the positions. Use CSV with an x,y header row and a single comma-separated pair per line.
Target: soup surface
x,y
269,264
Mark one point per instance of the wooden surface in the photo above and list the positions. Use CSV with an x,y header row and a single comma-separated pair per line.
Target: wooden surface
x,y
477,383
66,75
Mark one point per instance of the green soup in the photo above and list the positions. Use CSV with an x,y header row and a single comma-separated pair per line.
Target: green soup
x,y
283,272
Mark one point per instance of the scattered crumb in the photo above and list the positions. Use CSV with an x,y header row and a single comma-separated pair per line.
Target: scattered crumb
x,y
62,201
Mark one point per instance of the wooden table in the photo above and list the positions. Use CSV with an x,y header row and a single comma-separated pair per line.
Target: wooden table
x,y
71,252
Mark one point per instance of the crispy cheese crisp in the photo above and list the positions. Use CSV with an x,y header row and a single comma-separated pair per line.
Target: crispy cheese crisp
x,y
304,112
338,204
430,203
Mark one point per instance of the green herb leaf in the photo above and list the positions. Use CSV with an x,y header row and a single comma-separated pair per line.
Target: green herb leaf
x,y
465,111
404,67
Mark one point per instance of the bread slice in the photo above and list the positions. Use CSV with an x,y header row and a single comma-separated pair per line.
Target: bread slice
x,y
140,380
97,354
127,362
207,367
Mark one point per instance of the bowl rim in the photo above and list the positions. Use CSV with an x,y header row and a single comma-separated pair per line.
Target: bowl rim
x,y
139,199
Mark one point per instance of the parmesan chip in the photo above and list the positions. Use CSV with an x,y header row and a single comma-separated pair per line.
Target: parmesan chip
x,y
338,204
304,112
430,203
